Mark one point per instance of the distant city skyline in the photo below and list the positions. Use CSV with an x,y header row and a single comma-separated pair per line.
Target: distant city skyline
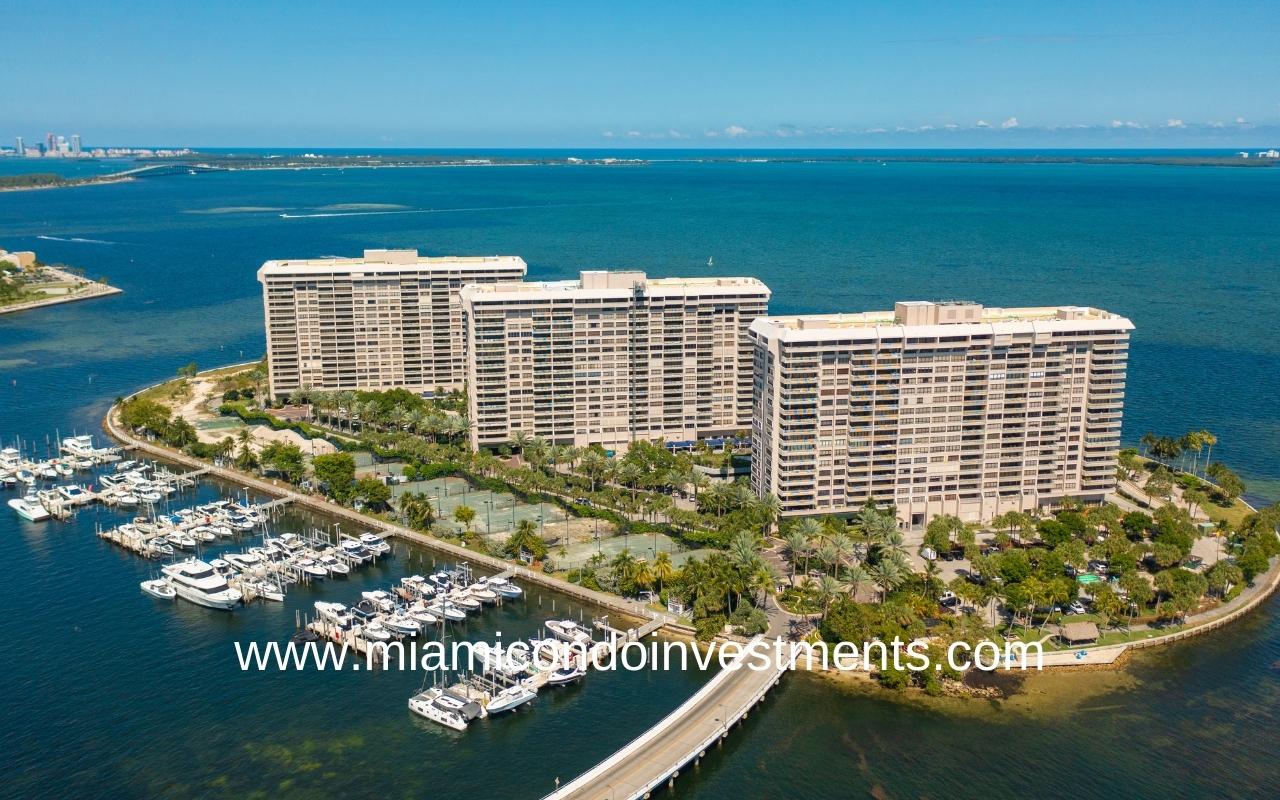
x,y
1178,74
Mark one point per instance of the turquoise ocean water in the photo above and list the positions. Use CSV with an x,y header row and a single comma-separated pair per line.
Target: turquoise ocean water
x,y
110,695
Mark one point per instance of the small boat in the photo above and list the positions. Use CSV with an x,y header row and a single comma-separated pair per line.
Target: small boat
x,y
334,565
8,480
380,599
159,588
25,475
447,611
265,590
46,470
420,612
126,466
149,496
127,499
221,567
403,624
509,699
29,508
374,631
181,539
504,587
159,547
462,600
375,544
243,562
566,630
565,675
356,551
333,612
65,470
480,591
417,585
311,568
73,494
203,533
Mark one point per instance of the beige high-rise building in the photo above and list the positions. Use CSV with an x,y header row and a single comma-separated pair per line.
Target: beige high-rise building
x,y
389,319
938,408
611,358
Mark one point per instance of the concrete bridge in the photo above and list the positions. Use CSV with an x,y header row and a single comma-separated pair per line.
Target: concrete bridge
x,y
656,756
153,170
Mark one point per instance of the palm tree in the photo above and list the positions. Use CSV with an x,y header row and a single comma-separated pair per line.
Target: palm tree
x,y
797,547
698,480
1148,442
810,529
769,508
828,590
855,577
520,440
663,569
1208,439
888,575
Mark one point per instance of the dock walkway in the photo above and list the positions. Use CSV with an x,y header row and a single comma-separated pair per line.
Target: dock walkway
x,y
683,736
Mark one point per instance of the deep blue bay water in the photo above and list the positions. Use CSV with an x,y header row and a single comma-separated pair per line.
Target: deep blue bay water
x,y
110,694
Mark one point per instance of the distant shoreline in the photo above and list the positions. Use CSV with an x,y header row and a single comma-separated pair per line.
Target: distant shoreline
x,y
88,291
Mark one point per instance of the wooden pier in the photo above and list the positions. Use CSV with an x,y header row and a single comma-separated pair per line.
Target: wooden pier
x,y
682,737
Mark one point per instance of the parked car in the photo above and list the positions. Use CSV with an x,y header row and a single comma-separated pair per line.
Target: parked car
x,y
1077,608
1098,567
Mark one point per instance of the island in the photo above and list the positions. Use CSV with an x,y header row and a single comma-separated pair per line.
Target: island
x,y
26,283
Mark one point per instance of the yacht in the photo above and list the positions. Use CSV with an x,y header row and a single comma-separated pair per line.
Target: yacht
x,y
374,544
449,711
46,470
25,475
75,495
8,480
159,547
375,631
127,499
203,532
311,568
79,446
126,466
10,459
566,630
356,551
65,470
462,600
159,588
29,508
509,699
197,582
240,523
418,585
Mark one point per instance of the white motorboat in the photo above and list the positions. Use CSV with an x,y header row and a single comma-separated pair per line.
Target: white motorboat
x,y
10,459
46,469
311,568
428,704
159,547
382,600
29,508
420,612
462,600
8,480
126,466
355,551
375,544
417,585
65,470
480,591
333,612
509,699
25,475
334,565
149,496
503,587
159,588
74,495
198,582
266,590
203,533
375,631
221,567
240,523
127,499
403,624
493,658
565,675
243,562
181,539
447,610
566,630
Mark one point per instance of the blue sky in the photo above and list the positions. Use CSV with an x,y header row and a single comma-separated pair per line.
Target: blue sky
x,y
687,74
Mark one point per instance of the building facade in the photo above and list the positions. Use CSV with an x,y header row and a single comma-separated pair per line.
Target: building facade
x,y
938,408
611,358
389,319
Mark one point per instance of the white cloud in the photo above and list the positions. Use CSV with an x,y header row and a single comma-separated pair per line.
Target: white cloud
x,y
1215,124
735,130
675,134
925,128
1126,123
1174,122
711,134
951,126
982,123
633,134
875,130
1011,122
1240,121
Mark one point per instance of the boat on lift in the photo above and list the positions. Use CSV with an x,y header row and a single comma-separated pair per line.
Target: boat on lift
x,y
30,508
